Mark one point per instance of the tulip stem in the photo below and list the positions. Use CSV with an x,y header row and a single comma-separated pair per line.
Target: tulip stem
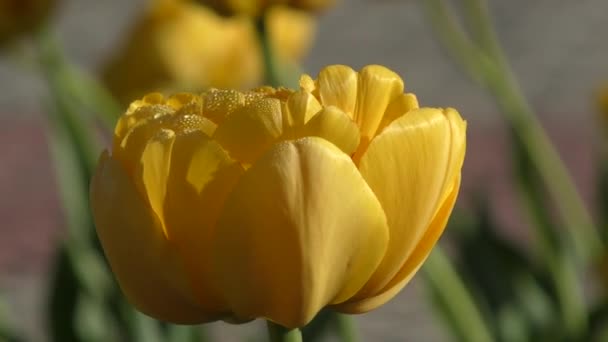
x,y
271,71
347,329
278,333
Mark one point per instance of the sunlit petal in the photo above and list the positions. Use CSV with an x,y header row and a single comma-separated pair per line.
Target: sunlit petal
x,y
410,167
377,87
338,87
276,244
413,263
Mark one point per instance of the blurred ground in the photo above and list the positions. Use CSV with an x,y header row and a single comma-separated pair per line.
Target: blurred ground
x,y
556,47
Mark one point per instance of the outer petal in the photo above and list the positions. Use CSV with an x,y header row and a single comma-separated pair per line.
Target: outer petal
x,y
338,87
378,86
411,167
301,230
413,263
150,275
201,176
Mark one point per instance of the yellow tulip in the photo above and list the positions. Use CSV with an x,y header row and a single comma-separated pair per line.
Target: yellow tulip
x,y
258,7
276,203
21,16
180,44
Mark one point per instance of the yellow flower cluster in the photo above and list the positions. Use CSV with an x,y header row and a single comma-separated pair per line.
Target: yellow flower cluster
x,y
276,203
179,44
258,7
21,16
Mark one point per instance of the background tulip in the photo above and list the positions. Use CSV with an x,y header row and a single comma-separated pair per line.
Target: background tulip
x,y
276,203
180,44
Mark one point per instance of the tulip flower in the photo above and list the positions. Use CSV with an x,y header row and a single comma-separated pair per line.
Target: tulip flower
x,y
180,44
256,8
276,203
18,17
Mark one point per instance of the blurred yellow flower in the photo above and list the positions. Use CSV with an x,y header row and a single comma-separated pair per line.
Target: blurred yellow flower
x,y
276,203
180,44
258,7
21,16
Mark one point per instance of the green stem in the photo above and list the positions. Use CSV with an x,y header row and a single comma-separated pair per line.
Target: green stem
x,y
347,329
278,333
453,296
490,70
271,70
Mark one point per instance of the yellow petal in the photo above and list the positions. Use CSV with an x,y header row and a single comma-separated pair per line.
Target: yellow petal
x,y
130,148
378,86
410,167
413,263
251,129
138,126
154,170
178,101
307,83
338,87
334,125
301,230
144,263
201,176
186,123
401,105
219,103
300,107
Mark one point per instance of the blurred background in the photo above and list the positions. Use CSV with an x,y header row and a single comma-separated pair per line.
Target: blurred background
x,y
557,49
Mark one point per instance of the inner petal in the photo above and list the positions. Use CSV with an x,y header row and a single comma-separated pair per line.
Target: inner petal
x,y
377,87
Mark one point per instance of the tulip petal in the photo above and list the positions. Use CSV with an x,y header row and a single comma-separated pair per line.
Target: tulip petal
x,y
150,275
301,106
201,176
251,129
129,146
335,126
410,167
154,168
401,105
220,103
307,83
338,87
300,230
413,263
378,86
